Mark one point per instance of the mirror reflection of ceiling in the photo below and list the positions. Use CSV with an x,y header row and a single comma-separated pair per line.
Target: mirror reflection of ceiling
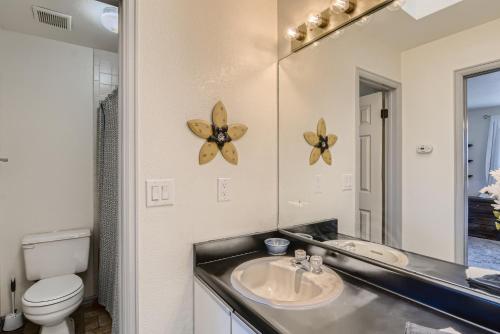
x,y
87,30
458,16
484,91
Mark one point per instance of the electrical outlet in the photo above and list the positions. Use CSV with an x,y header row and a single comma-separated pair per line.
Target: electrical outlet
x,y
347,182
223,189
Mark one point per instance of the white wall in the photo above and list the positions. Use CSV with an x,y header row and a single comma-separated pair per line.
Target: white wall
x,y
479,128
320,82
191,54
46,131
428,118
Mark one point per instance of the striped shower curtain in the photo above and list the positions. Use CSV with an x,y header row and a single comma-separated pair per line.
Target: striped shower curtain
x,y
108,205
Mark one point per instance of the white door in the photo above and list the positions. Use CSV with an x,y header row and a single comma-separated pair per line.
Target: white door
x,y
370,185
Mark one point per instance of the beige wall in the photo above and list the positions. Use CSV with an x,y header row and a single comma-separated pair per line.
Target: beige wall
x,y
320,81
428,118
191,54
47,132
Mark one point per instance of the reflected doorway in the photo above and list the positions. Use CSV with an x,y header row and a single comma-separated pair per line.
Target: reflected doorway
x,y
482,156
378,175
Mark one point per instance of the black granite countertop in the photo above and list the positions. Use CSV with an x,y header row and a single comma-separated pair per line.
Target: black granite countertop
x,y
361,308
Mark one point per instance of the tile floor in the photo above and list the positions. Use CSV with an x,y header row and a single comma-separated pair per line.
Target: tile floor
x,y
89,319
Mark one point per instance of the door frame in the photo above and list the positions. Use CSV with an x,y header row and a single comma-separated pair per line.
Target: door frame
x,y
461,213
393,161
128,312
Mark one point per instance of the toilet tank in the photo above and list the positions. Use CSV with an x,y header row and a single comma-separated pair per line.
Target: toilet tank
x,y
56,253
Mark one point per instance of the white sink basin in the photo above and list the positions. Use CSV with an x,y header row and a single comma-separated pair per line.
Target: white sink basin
x,y
275,282
372,250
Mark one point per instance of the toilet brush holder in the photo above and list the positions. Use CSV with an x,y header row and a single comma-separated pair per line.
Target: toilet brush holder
x,y
13,320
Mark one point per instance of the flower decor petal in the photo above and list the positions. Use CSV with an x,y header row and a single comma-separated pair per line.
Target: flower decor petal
x,y
208,152
315,154
200,128
311,138
332,139
321,127
327,157
236,131
219,115
230,153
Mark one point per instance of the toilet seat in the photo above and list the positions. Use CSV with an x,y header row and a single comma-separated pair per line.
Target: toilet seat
x,y
53,290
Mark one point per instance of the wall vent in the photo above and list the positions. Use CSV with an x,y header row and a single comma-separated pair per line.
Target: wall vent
x,y
50,17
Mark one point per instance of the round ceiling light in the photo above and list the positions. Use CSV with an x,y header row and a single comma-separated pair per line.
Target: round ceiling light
x,y
109,19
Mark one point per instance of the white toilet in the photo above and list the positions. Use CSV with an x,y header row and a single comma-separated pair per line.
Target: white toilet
x,y
53,259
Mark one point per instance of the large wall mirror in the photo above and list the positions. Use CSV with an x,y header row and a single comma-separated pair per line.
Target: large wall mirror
x,y
413,99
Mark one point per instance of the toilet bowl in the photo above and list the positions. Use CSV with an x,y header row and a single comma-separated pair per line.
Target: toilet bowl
x,y
50,301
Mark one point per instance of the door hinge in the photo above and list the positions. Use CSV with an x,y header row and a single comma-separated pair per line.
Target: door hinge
x,y
384,113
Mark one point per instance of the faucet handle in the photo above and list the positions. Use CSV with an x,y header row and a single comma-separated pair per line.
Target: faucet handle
x,y
316,263
300,255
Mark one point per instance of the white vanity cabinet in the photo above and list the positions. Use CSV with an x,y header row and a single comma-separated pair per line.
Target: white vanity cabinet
x,y
213,316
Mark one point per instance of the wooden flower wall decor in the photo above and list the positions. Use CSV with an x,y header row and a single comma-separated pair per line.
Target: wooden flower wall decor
x,y
321,143
219,136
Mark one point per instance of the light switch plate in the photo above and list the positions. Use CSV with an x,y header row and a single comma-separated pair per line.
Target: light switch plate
x,y
223,189
160,192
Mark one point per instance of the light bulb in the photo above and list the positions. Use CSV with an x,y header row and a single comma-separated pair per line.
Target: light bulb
x,y
109,19
316,20
341,6
294,33
396,5
364,21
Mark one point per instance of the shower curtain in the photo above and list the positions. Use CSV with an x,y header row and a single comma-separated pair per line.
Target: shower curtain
x,y
493,148
108,205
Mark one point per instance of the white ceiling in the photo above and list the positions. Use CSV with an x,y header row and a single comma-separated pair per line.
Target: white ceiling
x,y
404,32
483,91
17,15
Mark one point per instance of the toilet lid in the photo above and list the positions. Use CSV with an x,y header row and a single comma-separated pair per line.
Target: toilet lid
x,y
54,288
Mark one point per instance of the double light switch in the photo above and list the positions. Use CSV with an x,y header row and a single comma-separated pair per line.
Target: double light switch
x,y
160,192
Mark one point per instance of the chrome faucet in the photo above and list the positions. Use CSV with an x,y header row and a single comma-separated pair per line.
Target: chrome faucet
x,y
308,263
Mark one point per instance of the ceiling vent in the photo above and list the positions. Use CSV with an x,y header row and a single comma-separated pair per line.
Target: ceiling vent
x,y
50,17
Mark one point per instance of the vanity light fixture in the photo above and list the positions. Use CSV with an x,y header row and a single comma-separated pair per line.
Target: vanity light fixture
x,y
336,34
295,34
318,21
343,6
396,5
364,21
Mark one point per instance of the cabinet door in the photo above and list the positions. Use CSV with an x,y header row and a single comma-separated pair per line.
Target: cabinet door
x,y
240,327
211,315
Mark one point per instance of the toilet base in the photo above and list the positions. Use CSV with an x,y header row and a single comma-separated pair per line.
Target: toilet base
x,y
65,327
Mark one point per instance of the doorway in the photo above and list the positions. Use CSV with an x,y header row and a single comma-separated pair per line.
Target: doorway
x,y
378,163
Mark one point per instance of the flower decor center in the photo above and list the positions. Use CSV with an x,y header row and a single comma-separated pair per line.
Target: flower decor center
x,y
220,136
323,144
